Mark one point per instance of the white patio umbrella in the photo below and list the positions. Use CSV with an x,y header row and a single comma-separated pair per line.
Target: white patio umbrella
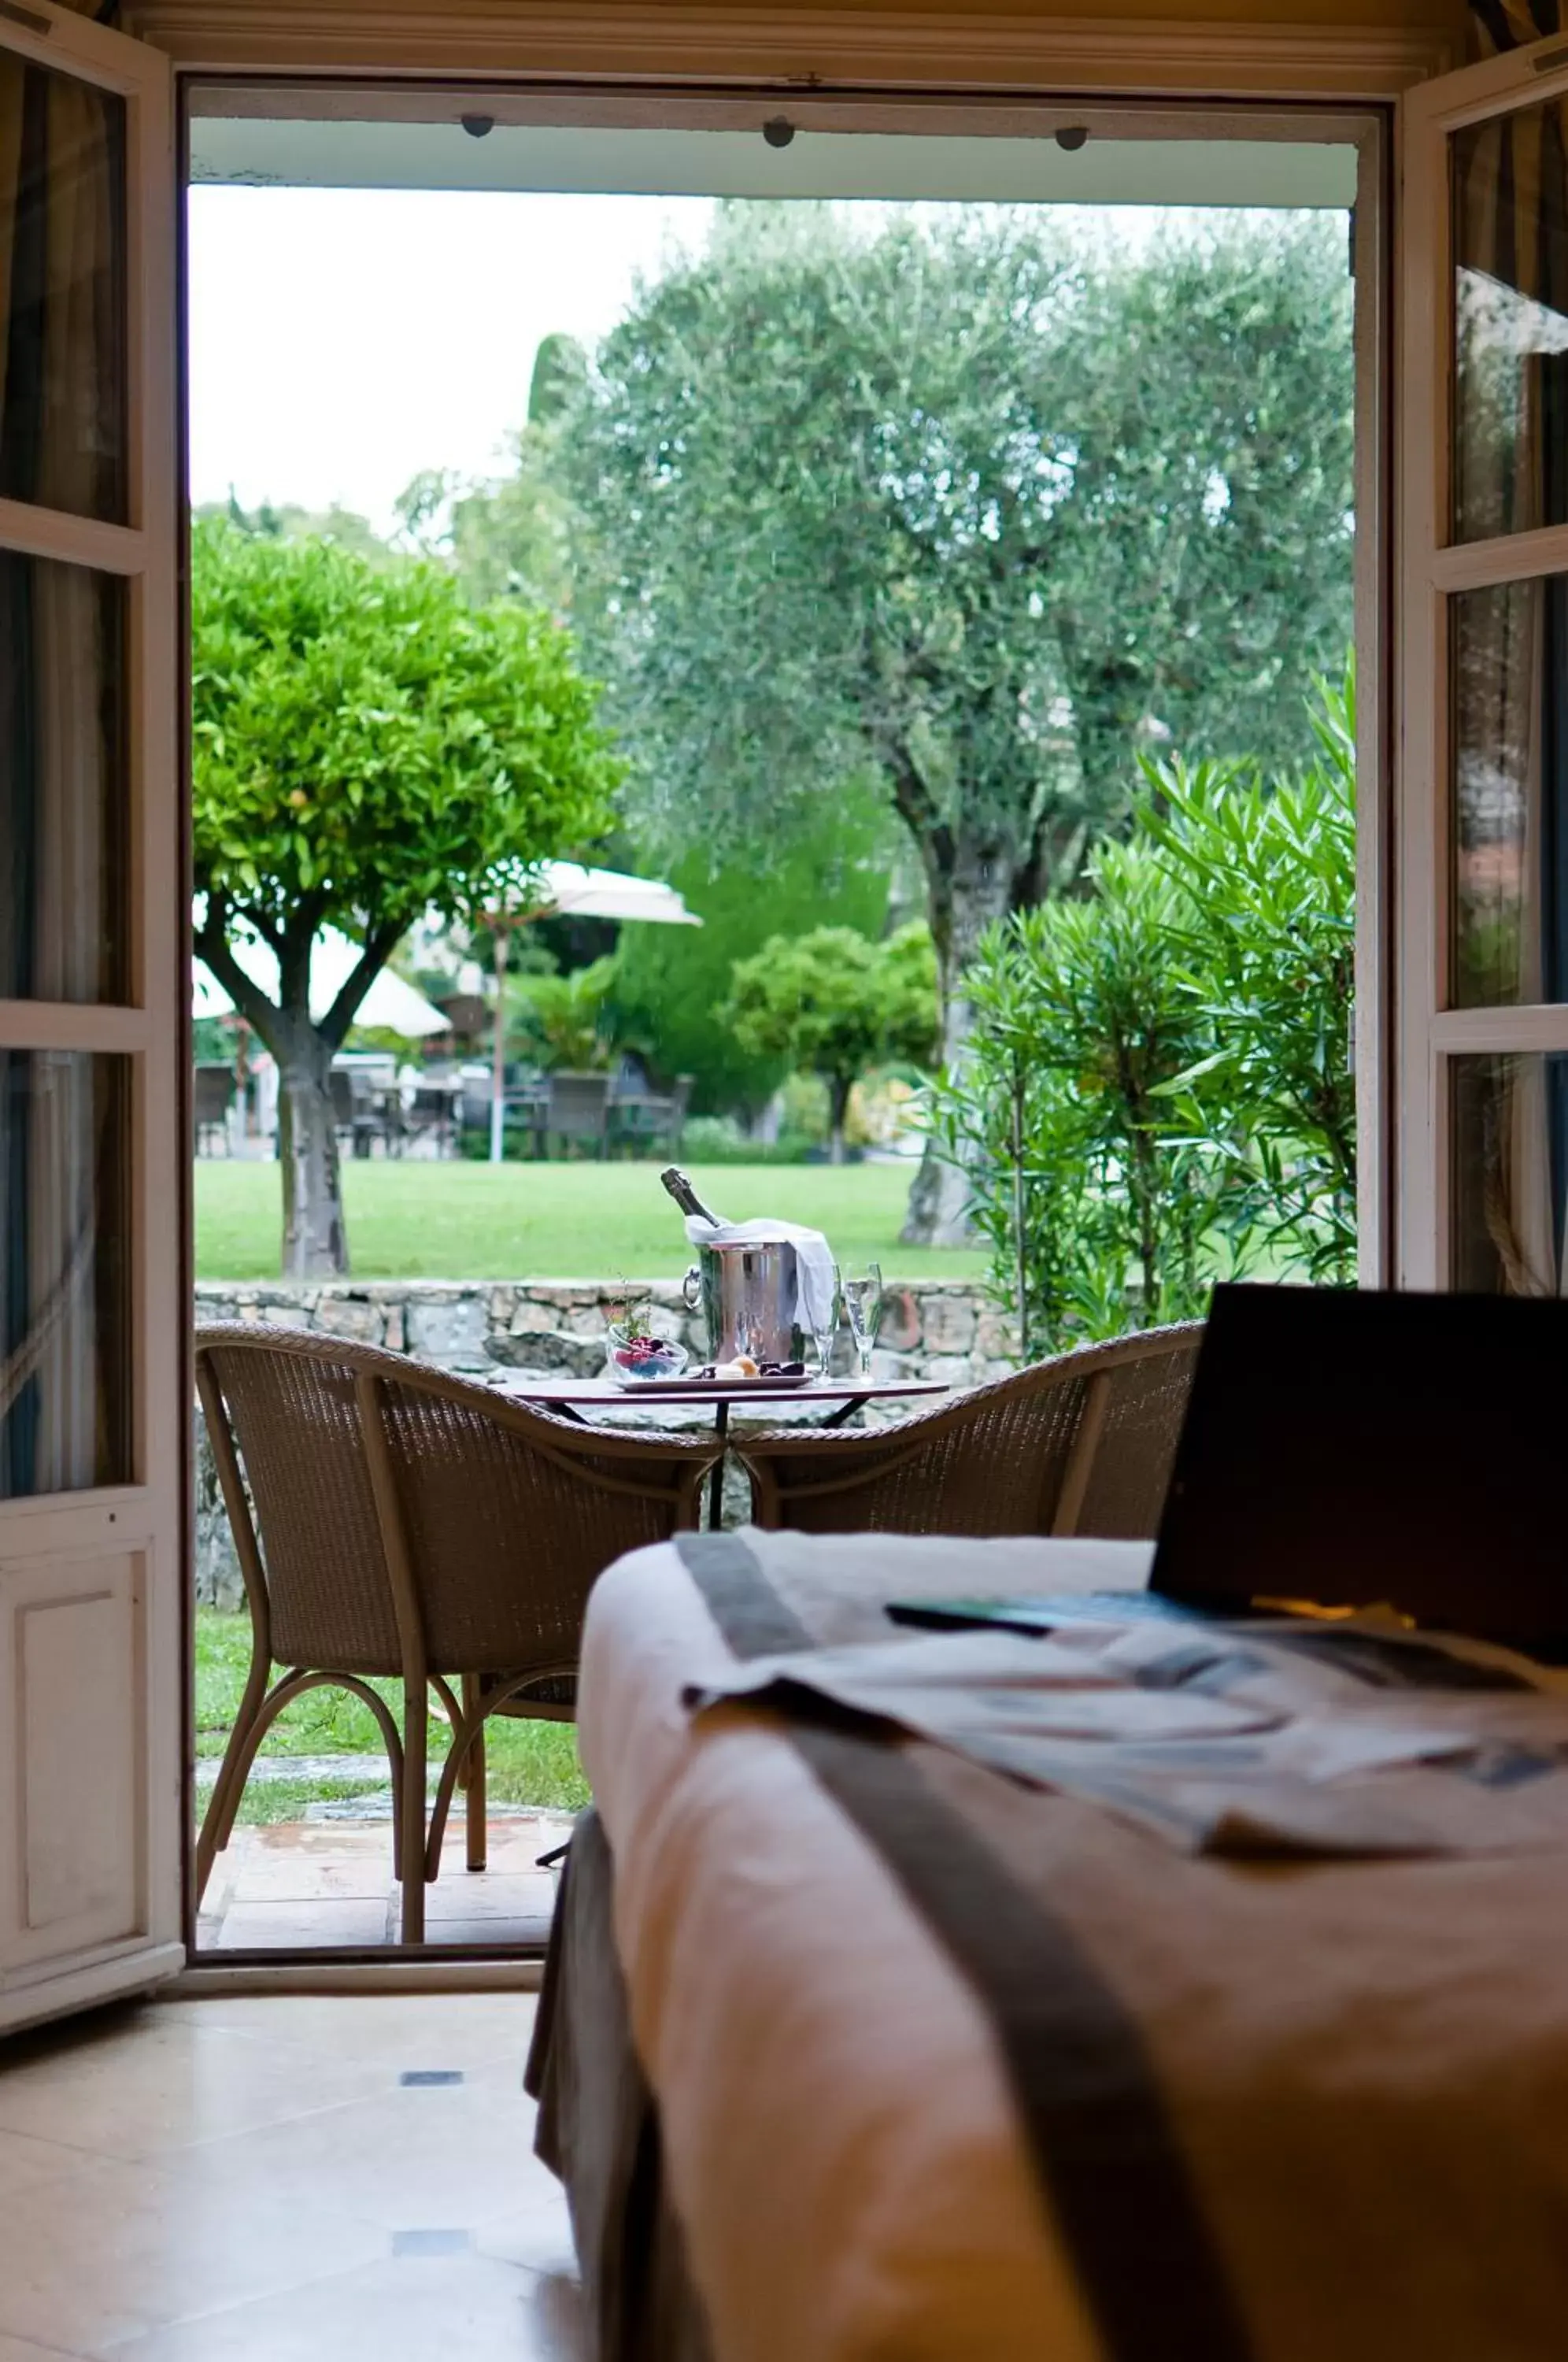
x,y
570,891
391,1004
566,889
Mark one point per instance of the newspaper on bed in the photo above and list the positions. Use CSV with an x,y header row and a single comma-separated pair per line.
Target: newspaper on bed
x,y
1276,1737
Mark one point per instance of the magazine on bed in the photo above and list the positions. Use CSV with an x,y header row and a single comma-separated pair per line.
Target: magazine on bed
x,y
1376,1649
1044,1614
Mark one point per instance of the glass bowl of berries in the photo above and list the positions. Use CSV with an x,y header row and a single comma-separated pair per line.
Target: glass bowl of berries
x,y
635,1357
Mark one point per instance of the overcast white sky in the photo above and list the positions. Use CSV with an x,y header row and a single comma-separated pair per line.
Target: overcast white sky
x,y
342,339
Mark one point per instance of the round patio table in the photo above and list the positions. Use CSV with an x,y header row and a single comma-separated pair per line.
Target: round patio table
x,y
572,1397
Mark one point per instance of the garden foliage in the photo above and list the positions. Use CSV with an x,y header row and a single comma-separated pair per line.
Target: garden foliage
x,y
670,981
561,1019
833,1004
1157,1092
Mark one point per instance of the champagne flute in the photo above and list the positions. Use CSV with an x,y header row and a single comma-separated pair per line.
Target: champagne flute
x,y
862,1293
822,1337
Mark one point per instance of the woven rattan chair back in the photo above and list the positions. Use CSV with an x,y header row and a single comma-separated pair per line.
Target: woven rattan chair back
x,y
295,1419
508,1524
1079,1445
392,1520
1138,1407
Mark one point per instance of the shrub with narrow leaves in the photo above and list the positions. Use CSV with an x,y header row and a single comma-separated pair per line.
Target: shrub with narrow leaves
x,y
1158,1091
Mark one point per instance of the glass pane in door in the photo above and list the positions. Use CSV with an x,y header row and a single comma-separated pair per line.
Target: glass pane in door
x,y
1509,184
1510,794
1510,1173
65,1374
63,287
63,782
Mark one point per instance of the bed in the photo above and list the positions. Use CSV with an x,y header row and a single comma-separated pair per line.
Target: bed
x,y
851,2049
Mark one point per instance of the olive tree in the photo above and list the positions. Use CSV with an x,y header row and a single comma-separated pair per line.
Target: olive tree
x,y
367,747
971,508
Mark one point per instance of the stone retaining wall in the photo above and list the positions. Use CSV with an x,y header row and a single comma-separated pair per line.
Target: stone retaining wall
x,y
942,1329
930,1327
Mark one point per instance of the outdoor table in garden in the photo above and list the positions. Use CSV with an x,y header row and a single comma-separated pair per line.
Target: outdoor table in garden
x,y
571,1396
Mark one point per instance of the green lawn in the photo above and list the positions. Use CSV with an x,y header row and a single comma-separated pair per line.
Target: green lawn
x,y
527,1763
418,1218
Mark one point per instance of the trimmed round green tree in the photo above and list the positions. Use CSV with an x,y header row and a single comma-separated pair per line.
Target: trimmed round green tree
x,y
366,746
833,1004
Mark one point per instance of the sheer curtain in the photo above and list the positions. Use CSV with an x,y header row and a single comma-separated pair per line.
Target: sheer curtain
x,y
1509,1163
1510,654
62,783
1510,23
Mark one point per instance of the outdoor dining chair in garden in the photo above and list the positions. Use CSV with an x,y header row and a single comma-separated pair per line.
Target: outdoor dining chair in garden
x,y
393,1521
1079,1445
214,1090
432,1114
579,1111
643,1121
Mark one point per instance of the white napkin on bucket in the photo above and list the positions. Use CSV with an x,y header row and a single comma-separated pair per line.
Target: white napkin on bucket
x,y
813,1262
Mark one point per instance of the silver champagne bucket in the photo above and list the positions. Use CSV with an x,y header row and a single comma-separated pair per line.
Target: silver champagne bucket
x,y
747,1295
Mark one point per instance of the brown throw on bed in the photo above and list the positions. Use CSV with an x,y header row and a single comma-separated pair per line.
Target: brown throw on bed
x,y
1225,2181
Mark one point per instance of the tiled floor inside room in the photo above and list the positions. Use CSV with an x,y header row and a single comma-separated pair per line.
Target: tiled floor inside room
x,y
305,1883
272,2179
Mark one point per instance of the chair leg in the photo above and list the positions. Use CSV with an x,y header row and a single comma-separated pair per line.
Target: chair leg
x,y
476,1808
217,1821
415,1739
252,1723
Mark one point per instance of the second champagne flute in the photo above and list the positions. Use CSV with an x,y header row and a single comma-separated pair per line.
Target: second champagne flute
x,y
862,1292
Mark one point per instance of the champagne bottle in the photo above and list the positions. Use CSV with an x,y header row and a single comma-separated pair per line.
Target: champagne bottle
x,y
685,1196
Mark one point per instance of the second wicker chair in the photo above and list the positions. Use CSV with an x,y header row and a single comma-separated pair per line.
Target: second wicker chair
x,y
1079,1445
412,1524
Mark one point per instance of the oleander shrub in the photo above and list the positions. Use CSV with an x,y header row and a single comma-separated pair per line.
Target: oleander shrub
x,y
1158,1089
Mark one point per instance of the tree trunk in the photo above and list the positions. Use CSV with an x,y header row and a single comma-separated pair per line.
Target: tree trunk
x,y
1111,698
316,1241
977,888
839,1088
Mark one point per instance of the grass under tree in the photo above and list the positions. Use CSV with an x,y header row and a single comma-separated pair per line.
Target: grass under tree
x,y
428,1219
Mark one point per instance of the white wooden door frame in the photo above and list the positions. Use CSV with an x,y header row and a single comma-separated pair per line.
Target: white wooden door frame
x,y
1098,67
113,1559
362,86
1433,568
369,61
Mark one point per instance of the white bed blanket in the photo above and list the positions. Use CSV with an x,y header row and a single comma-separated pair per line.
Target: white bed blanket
x,y
839,2138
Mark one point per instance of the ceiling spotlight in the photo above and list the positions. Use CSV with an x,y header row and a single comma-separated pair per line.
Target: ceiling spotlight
x,y
779,131
478,127
1072,136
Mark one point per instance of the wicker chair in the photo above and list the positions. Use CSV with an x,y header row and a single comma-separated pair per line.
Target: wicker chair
x,y
410,1524
1079,1445
214,1090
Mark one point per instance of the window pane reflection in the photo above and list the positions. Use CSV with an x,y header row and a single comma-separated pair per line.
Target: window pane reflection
x,y
62,783
65,1379
62,273
1510,359
1510,794
1510,1174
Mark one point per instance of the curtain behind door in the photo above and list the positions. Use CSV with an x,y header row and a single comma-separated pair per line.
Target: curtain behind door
x,y
64,783
1510,23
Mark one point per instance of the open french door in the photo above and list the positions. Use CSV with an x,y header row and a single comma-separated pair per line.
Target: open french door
x,y
91,1145
1481,831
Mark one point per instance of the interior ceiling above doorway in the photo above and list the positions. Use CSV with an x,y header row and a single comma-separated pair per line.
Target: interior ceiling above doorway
x,y
254,151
